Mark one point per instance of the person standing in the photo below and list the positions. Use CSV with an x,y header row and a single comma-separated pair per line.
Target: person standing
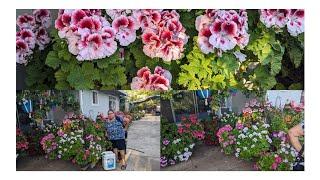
x,y
116,134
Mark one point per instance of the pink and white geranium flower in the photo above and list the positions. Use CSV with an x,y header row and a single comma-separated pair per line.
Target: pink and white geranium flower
x,y
163,35
114,13
89,35
279,18
125,27
145,80
222,30
32,32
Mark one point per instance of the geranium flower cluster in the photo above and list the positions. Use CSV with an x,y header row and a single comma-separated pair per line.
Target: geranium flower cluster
x,y
32,31
49,143
279,18
191,126
145,80
21,142
89,35
124,24
222,30
163,35
252,141
227,139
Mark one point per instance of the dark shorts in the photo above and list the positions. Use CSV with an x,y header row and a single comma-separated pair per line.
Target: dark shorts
x,y
119,144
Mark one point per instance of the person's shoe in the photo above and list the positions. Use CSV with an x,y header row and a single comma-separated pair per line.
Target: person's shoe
x,y
124,167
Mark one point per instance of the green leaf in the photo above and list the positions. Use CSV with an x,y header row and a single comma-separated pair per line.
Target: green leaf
x,y
83,77
296,86
266,81
113,77
53,60
296,55
105,62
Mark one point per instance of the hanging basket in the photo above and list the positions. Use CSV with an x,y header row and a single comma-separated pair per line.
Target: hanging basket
x,y
204,94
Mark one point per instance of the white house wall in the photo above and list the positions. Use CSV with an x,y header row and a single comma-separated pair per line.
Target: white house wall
x,y
279,98
92,110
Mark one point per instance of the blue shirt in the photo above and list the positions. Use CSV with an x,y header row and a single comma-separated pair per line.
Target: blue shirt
x,y
115,129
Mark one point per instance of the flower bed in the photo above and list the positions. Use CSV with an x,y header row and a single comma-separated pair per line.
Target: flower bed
x,y
175,147
199,49
178,141
253,139
78,139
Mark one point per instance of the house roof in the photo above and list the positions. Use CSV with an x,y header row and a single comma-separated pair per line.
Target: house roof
x,y
114,92
146,99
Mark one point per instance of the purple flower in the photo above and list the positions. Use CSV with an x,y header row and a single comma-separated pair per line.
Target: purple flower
x,y
165,142
163,161
239,126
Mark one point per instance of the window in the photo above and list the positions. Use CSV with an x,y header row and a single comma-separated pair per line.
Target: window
x,y
95,97
112,103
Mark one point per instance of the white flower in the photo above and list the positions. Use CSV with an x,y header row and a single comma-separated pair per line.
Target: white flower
x,y
65,149
264,132
237,154
293,154
241,136
181,157
266,125
254,140
245,129
186,149
238,150
283,149
245,148
191,145
255,127
178,152
72,142
175,157
285,160
255,133
70,147
59,156
252,146
60,152
72,133
250,135
238,143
